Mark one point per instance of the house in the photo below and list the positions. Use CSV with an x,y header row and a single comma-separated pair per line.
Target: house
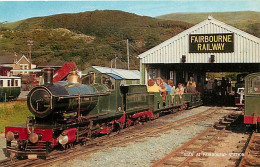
x,y
17,62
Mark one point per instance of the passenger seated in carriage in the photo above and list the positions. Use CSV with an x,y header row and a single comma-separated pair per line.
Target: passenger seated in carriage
x,y
153,87
172,86
190,88
163,91
180,90
168,88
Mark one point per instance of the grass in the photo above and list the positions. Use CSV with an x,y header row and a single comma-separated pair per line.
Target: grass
x,y
13,113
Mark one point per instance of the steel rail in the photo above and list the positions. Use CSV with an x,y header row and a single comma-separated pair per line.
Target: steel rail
x,y
252,144
126,139
103,142
187,144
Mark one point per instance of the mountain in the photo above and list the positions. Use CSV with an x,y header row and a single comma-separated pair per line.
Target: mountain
x,y
248,21
88,38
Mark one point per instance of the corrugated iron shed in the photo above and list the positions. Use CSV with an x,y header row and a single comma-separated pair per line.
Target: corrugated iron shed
x,y
125,74
246,46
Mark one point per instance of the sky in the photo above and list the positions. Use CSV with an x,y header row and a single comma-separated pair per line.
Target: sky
x,y
11,11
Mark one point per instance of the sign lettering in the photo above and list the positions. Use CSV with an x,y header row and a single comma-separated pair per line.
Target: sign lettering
x,y
211,43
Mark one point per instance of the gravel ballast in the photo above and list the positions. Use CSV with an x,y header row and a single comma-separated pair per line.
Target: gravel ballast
x,y
146,151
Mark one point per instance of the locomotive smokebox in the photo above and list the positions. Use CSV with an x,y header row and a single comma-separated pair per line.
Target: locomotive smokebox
x,y
48,76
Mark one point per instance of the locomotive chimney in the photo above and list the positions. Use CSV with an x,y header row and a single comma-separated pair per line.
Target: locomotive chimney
x,y
48,76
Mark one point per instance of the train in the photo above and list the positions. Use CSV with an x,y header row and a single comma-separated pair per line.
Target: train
x,y
252,100
10,87
71,112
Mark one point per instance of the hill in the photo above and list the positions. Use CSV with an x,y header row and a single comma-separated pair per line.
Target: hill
x,y
94,38
248,21
55,37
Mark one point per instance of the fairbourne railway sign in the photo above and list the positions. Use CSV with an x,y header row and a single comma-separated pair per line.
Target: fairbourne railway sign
x,y
211,43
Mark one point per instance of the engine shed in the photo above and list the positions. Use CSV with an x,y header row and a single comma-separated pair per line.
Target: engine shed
x,y
210,46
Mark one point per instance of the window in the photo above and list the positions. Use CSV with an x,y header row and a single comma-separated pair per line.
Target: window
x,y
108,82
1,83
12,82
89,79
8,83
16,82
24,67
253,85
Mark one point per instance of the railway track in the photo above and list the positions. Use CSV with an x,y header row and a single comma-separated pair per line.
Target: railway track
x,y
124,137
252,152
197,147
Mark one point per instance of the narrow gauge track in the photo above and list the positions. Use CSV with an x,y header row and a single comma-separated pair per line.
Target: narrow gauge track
x,y
194,148
252,152
125,136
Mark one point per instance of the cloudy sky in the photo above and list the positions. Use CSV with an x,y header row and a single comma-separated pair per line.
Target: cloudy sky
x,y
17,10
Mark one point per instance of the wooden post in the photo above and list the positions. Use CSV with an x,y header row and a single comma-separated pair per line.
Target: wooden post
x,y
127,51
5,97
79,108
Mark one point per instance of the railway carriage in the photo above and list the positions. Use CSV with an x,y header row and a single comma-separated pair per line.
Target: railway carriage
x,y
76,110
252,99
10,87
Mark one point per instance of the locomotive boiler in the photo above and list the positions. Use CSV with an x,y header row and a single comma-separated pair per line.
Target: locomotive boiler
x,y
51,102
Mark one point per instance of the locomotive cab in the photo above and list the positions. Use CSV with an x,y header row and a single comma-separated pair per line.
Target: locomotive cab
x,y
252,99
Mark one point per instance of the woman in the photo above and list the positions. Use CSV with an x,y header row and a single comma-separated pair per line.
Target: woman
x,y
163,91
191,82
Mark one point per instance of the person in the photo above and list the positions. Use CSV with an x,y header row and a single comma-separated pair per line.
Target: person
x,y
180,90
168,88
209,86
163,91
199,88
172,86
241,92
152,87
191,82
190,88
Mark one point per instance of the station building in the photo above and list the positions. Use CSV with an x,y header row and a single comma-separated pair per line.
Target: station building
x,y
210,46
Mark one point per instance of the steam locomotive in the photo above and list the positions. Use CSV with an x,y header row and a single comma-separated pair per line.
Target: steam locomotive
x,y
252,100
72,112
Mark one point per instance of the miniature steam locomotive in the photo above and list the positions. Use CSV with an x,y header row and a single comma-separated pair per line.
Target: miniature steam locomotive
x,y
252,100
72,112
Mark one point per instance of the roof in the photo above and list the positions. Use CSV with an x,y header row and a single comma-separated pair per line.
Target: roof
x,y
246,46
9,77
9,59
123,73
115,76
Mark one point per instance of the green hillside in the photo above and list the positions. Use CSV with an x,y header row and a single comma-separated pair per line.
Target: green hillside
x,y
94,38
89,38
247,21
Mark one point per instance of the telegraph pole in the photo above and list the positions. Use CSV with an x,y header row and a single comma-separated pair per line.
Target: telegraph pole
x,y
127,48
30,43
115,60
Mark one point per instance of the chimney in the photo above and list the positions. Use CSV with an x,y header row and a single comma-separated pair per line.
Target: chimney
x,y
48,76
15,57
